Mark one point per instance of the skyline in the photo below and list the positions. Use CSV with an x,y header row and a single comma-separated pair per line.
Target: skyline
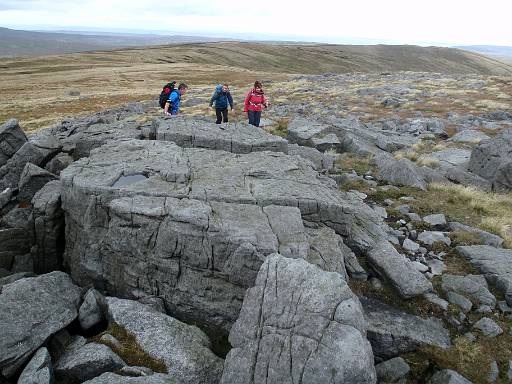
x,y
441,23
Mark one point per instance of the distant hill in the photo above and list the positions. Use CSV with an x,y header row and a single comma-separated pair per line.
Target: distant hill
x,y
16,43
502,53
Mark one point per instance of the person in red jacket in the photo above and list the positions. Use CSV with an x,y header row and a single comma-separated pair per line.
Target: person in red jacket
x,y
254,104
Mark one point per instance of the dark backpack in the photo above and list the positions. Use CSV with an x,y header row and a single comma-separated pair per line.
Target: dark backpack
x,y
166,92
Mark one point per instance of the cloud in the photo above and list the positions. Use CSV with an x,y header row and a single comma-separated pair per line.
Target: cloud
x,y
403,21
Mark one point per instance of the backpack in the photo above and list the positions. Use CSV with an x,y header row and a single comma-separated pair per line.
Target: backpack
x,y
166,92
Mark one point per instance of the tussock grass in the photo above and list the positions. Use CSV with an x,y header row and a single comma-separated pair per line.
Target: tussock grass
x,y
130,351
361,165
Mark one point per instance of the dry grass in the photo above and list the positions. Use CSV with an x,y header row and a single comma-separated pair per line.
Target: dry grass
x,y
130,351
361,165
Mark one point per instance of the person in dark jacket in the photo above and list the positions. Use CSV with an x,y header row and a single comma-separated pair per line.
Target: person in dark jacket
x,y
255,101
222,97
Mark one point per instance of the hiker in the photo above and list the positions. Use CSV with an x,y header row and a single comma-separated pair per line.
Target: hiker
x,y
254,103
172,104
222,97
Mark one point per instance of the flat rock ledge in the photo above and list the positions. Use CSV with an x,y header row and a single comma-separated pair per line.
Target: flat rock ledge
x,y
193,226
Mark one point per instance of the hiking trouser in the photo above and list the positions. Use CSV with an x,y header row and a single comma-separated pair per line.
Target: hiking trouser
x,y
254,117
222,115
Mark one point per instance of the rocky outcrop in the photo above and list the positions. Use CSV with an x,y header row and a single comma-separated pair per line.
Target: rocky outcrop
x,y
32,179
235,137
184,349
473,286
32,310
299,324
402,172
491,159
222,213
12,138
494,263
393,332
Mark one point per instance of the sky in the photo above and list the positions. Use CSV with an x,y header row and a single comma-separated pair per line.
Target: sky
x,y
433,22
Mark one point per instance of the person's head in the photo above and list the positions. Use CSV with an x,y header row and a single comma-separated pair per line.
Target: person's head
x,y
257,85
225,88
182,88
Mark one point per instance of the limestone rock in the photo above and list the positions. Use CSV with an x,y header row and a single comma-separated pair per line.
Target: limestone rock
x,y
432,237
447,376
91,310
401,172
393,332
32,179
31,310
469,136
487,238
437,220
392,370
39,370
184,349
300,324
86,362
488,327
473,286
12,138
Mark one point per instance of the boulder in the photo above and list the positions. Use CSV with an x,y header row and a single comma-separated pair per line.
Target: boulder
x,y
398,270
32,179
39,370
299,324
32,310
393,332
447,376
461,301
490,160
503,179
401,172
12,138
112,378
494,263
472,286
432,237
302,131
452,157
392,370
235,137
59,163
488,327
222,213
15,242
86,362
91,310
184,349
469,136
48,219
437,220
14,277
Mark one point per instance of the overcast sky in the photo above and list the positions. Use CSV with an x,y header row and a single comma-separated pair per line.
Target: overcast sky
x,y
437,22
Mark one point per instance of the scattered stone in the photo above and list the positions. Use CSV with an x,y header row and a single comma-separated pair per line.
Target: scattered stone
x,y
437,267
447,376
354,269
86,362
474,286
73,92
91,311
487,238
484,309
470,337
292,295
469,136
398,270
502,306
110,340
488,327
376,284
136,371
509,372
393,332
410,246
403,209
438,220
39,370
432,237
31,310
494,372
459,300
112,378
413,217
389,202
401,172
392,370
184,349
436,300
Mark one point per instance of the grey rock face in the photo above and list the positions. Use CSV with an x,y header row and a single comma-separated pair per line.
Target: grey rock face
x,y
402,172
392,370
393,332
184,349
398,270
14,277
112,378
321,161
59,163
494,263
39,370
469,136
32,179
48,218
410,246
15,242
488,327
235,137
460,301
222,213
32,310
487,238
302,131
447,376
91,311
86,362
12,138
491,155
473,286
432,237
437,220
298,324
452,157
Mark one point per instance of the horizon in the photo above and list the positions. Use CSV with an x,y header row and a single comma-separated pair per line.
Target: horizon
x,y
441,24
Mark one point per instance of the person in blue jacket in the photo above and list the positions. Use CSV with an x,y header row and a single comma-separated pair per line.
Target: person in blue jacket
x,y
172,107
222,97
